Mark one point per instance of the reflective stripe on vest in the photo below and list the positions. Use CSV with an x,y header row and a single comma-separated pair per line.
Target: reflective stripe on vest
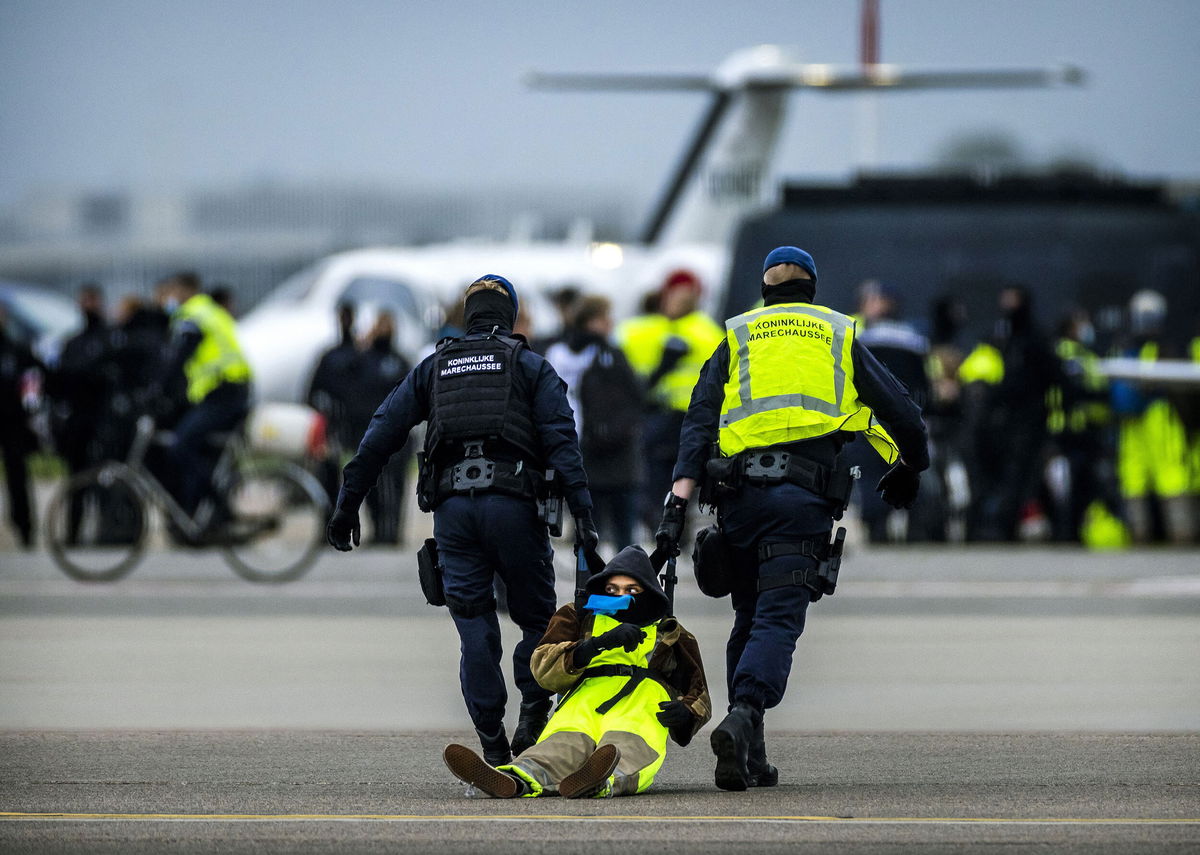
x,y
791,378
218,358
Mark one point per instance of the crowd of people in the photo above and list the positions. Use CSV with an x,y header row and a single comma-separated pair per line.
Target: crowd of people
x,y
1105,463
1029,440
175,359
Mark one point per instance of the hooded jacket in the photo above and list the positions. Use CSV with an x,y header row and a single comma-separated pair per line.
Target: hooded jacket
x,y
675,660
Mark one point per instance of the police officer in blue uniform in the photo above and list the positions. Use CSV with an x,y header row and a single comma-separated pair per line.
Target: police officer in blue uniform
x,y
778,399
498,419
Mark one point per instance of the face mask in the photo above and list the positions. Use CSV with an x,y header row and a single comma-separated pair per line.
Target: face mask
x,y
171,304
1087,335
603,604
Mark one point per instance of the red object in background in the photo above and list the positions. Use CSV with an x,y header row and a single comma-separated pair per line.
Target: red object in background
x,y
317,445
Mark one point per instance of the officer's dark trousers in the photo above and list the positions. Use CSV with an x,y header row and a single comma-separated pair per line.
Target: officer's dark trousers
x,y
478,538
766,625
192,454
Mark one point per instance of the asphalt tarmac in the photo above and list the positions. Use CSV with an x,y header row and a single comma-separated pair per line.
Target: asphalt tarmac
x,y
944,700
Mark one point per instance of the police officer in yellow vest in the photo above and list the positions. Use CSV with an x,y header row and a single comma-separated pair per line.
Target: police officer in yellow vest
x,y
779,398
204,346
667,348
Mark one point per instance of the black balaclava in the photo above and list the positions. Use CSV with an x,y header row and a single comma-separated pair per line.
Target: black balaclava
x,y
487,310
791,291
648,606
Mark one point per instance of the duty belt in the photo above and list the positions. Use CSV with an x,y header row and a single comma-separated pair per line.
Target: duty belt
x,y
773,467
635,673
482,473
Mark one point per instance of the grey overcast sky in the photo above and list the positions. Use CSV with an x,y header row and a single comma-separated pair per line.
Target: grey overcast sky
x,y
104,94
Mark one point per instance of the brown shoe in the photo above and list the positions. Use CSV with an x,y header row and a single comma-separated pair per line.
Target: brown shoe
x,y
592,776
471,769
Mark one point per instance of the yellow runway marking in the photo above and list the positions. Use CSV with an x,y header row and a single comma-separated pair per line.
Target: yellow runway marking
x,y
385,817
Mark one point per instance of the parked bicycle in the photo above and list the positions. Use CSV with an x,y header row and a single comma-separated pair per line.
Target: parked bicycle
x,y
272,514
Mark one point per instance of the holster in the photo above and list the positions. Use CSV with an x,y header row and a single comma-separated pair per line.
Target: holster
x,y
820,580
550,502
426,483
722,479
429,572
712,562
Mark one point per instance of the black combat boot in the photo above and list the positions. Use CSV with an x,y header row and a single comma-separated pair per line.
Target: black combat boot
x,y
533,718
762,773
495,747
731,740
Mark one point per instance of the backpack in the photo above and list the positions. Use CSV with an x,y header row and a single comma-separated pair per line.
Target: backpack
x,y
610,400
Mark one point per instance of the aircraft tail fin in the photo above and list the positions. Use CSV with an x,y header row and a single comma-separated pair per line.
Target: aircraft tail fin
x,y
722,175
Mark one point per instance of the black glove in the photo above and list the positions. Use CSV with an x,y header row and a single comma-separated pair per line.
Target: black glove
x,y
626,635
899,486
343,529
670,530
674,714
585,532
674,350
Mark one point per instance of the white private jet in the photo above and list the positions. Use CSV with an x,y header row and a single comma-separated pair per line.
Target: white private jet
x,y
721,178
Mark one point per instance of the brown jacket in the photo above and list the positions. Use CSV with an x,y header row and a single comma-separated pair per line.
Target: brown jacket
x,y
675,661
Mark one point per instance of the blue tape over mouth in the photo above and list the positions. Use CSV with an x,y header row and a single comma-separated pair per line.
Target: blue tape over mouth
x,y
602,604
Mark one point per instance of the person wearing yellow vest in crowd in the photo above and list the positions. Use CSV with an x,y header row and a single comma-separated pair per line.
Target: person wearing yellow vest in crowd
x,y
629,676
1079,419
204,346
667,348
781,395
1152,443
1006,381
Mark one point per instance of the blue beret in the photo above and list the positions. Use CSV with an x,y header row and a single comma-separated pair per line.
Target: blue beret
x,y
791,255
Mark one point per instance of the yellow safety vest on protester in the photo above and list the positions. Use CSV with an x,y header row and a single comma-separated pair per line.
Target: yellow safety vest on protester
x,y
218,358
791,378
644,339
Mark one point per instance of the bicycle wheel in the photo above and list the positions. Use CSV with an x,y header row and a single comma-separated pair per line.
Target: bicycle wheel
x,y
279,514
96,525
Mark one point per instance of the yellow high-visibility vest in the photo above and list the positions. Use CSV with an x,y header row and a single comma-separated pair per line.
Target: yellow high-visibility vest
x,y
791,378
984,364
1082,415
644,339
218,358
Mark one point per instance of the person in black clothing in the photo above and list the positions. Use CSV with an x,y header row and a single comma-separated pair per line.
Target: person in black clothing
x,y
333,384
380,369
779,408
17,441
608,398
80,390
1010,415
497,417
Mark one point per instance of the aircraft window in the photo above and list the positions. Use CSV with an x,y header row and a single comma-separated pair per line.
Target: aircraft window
x,y
382,292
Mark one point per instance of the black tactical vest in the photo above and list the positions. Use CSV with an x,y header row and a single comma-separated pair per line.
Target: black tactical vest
x,y
476,397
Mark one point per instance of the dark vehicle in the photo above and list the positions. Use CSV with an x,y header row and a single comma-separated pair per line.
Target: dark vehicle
x,y
37,316
1073,240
